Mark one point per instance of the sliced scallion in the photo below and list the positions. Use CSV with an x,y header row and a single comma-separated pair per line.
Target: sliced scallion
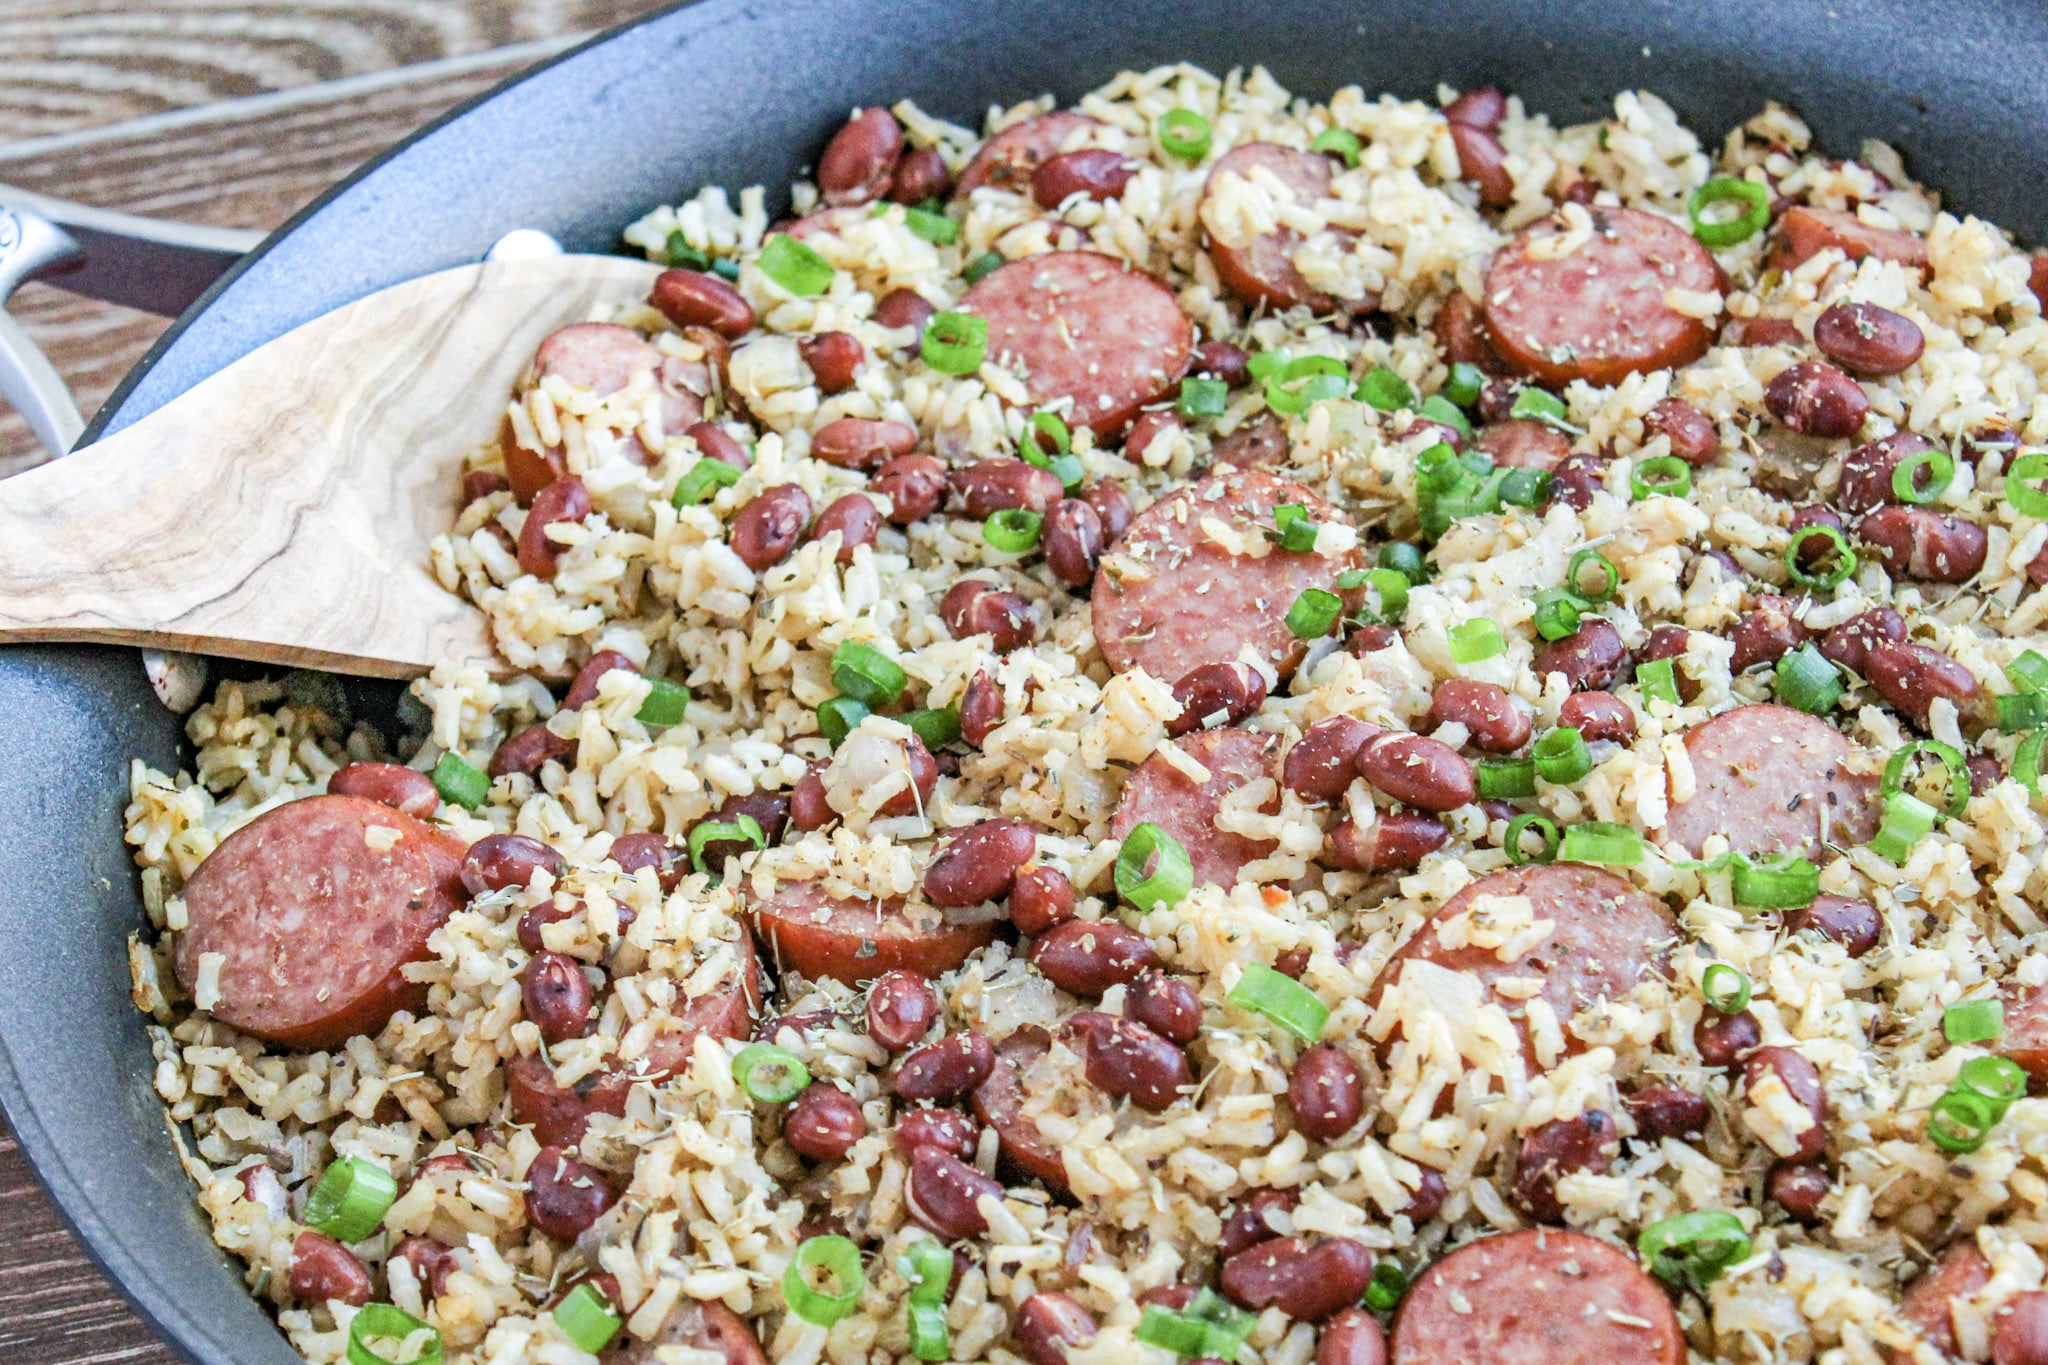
x,y
862,672
1752,203
1539,405
1973,1021
1956,773
836,1259
1385,390
586,1318
701,481
794,266
1292,528
1506,779
954,343
1282,999
678,251
770,1074
1692,1249
1665,476
386,1322
1152,869
350,1199
460,783
1557,612
1390,588
1389,1283
1658,678
1474,641
981,265
1601,841
1725,988
839,717
1546,830
937,726
667,703
1784,884
1841,556
1575,575
1465,384
1438,408
1202,398
1338,141
1808,682
1314,612
1907,820
1184,134
2020,490
1013,530
1941,471
1562,756
708,832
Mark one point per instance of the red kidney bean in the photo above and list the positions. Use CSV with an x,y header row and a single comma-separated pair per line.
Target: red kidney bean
x,y
769,810
1482,161
1048,1323
979,863
1130,1061
808,809
1353,1337
1221,360
1370,639
975,606
770,526
1866,482
823,1122
692,298
1041,898
1396,842
323,1269
536,919
1798,1187
943,1193
1327,1092
1073,542
1174,1296
949,1130
920,175
1590,658
1985,772
431,1262
1087,957
1307,1283
526,751
1418,771
1247,1226
1767,632
390,784
1578,477
716,443
1867,340
565,501
1671,642
1934,547
1556,1149
1323,761
861,442
1814,550
854,517
1910,677
1853,923
1816,399
1731,572
901,308
1694,437
1000,484
914,484
583,687
1292,963
1802,1079
945,1070
1724,1039
981,708
924,774
834,358
1152,424
1094,173
1429,1197
1662,1111
481,483
1481,108
1112,504
1168,1005
555,996
856,164
1216,694
901,1008
2019,1333
1597,716
1496,723
564,1196
497,861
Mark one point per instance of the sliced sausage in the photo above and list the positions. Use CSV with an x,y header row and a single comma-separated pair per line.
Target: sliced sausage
x,y
1082,326
1523,443
313,910
709,1327
1261,270
853,940
999,1103
1008,160
1767,776
2025,1040
1598,312
1170,597
1259,442
1929,1301
1165,796
1804,232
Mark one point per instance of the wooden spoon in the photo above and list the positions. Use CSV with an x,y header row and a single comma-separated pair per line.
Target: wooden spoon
x,y
282,510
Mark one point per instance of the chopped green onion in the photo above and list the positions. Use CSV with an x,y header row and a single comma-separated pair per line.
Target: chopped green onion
x,y
1355,578
1941,467
769,1073
1961,1122
933,227
1310,379
1562,756
1538,405
1390,586
837,1258
1474,641
1957,772
1282,999
1718,232
929,1268
1601,841
1047,428
1152,869
384,1322
351,1199
1998,1079
1385,390
1808,682
1184,134
1342,141
2026,499
2026,762
1666,476
678,251
981,265
1403,559
1785,884
1438,408
586,1318
1658,678
929,1337
937,726
1973,1021
1314,612
1725,988
862,672
1208,1328
726,268
2029,672
1265,365
1557,612
1907,819
666,704
1465,385
2020,711
1525,487
1506,779
1843,557
459,783
1202,398
1439,467
838,718
954,343
707,832
1294,531
1574,575
701,481
1546,830
1692,1249
1162,1327
1013,530
794,266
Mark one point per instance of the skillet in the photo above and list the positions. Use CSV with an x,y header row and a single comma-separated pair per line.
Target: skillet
x,y
738,92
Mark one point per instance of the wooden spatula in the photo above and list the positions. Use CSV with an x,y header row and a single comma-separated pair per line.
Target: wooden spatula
x,y
281,511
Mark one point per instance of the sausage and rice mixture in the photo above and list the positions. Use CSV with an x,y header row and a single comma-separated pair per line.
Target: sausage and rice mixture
x,y
1210,725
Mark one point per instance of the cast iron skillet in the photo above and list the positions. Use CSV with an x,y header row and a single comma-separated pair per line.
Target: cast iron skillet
x,y
737,93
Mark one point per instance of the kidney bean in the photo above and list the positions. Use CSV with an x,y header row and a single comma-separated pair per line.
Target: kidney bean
x,y
1482,162
1370,639
1174,1296
2019,1334
1672,642
1496,723
1353,1337
1001,484
949,1130
1556,1149
1484,108
1327,1092
536,919
1168,1005
1597,716
921,174
854,517
481,483
1221,360
979,863
1591,657
975,606
1041,898
834,358
943,1193
1866,482
1292,963
945,1070
526,751
497,861
769,527
716,443
1798,1187
1216,694
1867,340
823,1122
431,1262
1724,1039
981,708
914,484
1323,761
808,808
1049,1322
1247,1225
1577,478
1429,1197
1306,1282
1152,424
1934,547
1731,572
322,1270
1767,632
1814,550
1130,1061
1086,957
583,688
1073,542
1910,677
1694,437
1803,1081
1816,399
1112,504
1848,644
692,298
555,996
565,502
857,162
1418,771
861,442
1853,923
924,774
1094,173
901,1008
1396,842
1662,1111
390,784
769,810
900,308
564,1196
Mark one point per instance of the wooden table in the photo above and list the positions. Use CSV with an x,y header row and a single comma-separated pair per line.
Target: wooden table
x,y
235,113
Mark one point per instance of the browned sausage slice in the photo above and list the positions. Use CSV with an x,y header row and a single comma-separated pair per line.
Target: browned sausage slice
x,y
1524,443
1261,271
1087,327
1608,937
1803,232
1537,1297
856,940
1598,312
314,909
999,1103
708,1327
831,222
1961,1272
1007,160
603,357
1172,596
2025,1039
1164,795
1765,775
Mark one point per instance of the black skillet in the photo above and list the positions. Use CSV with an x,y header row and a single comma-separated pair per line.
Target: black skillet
x,y
736,93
